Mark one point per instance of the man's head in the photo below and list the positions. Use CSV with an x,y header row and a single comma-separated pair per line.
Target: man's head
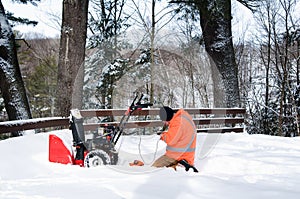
x,y
166,113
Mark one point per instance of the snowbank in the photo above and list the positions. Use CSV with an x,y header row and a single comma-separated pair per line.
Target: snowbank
x,y
231,166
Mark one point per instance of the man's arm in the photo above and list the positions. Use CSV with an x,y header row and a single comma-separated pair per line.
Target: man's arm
x,y
173,134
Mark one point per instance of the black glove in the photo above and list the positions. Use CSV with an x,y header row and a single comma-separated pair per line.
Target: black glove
x,y
164,128
187,166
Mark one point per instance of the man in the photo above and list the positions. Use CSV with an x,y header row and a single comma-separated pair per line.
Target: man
x,y
180,139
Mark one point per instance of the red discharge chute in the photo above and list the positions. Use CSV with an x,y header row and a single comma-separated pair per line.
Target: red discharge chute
x,y
58,152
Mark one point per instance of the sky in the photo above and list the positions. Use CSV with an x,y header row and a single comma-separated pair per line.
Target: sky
x,y
233,166
47,11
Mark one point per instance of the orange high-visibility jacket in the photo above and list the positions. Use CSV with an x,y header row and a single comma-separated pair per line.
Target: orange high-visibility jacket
x,y
181,137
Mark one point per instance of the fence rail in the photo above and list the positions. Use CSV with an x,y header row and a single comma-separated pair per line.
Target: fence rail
x,y
206,120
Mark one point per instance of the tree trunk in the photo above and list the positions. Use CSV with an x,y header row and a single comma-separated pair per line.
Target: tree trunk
x,y
72,55
152,50
11,82
215,21
268,64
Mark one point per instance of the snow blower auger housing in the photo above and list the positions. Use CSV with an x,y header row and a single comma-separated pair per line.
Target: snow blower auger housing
x,y
100,149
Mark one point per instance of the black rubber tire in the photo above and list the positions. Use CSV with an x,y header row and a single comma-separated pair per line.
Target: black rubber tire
x,y
96,158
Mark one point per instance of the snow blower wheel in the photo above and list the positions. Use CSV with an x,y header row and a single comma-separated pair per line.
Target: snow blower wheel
x,y
96,158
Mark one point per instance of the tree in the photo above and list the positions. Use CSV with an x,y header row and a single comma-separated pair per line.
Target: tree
x,y
275,107
72,55
11,82
38,61
111,73
152,23
287,100
107,23
215,21
192,47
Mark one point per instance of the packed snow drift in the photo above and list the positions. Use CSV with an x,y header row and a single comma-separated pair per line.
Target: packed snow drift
x,y
230,166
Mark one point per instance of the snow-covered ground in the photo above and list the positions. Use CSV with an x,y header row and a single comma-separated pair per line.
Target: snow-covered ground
x,y
231,166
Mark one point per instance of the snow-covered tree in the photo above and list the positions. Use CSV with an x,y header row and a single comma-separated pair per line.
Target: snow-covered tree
x,y
107,25
215,21
111,73
275,112
107,22
11,82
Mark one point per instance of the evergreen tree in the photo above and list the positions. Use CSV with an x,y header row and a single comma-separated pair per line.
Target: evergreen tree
x,y
106,23
41,85
111,73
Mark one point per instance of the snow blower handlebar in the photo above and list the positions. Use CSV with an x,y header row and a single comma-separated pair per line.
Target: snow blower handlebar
x,y
133,107
138,105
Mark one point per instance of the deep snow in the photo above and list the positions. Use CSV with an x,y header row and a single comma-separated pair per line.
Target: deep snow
x,y
231,166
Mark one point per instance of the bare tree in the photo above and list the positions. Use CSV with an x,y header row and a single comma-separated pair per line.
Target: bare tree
x,y
267,20
287,102
152,23
198,69
278,105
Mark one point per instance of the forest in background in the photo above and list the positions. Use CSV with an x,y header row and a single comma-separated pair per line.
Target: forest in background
x,y
169,62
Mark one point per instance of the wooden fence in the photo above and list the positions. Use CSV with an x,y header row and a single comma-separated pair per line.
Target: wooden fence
x,y
209,120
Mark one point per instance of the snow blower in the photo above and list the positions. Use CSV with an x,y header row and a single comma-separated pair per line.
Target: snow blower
x,y
100,149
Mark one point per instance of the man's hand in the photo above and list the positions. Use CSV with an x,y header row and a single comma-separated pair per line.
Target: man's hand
x,y
162,135
164,128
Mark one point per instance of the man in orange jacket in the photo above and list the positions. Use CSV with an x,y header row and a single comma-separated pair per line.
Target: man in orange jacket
x,y
180,138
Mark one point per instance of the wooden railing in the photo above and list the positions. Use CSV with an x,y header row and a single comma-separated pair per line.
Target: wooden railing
x,y
210,120
29,124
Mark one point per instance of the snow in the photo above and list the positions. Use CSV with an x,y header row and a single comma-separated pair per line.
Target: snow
x,y
231,166
20,122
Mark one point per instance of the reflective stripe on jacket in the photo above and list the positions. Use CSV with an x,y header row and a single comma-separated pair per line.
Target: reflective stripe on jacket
x,y
181,137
